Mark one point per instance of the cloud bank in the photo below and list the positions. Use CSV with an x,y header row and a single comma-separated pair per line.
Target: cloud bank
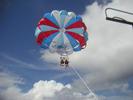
x,y
107,61
45,90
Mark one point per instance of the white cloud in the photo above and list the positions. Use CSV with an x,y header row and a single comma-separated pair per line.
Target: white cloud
x,y
107,60
108,56
18,61
23,64
45,90
50,57
8,80
118,98
13,93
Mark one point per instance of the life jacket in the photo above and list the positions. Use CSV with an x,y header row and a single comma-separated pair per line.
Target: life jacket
x,y
62,61
66,62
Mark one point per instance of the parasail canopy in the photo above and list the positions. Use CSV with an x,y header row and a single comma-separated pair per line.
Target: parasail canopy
x,y
62,32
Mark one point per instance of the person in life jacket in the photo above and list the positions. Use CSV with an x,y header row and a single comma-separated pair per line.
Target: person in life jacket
x,y
64,61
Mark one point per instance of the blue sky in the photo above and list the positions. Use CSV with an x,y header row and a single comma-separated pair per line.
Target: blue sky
x,y
18,23
21,57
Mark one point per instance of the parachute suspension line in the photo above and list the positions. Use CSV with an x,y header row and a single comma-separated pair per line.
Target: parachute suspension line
x,y
73,73
84,82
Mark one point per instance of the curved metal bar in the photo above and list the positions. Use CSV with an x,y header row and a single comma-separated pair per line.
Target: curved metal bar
x,y
117,10
118,19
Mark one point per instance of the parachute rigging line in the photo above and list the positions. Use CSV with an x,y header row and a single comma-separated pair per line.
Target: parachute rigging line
x,y
80,77
83,81
118,19
73,73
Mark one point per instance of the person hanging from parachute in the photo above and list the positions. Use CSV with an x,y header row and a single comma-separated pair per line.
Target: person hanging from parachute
x,y
64,61
61,32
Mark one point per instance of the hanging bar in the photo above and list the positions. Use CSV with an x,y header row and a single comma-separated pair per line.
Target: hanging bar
x,y
118,19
